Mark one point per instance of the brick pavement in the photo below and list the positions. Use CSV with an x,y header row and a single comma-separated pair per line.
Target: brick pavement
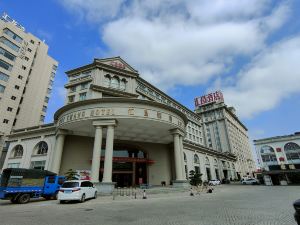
x,y
228,204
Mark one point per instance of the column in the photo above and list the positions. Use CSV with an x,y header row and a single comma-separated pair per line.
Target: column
x,y
96,155
58,150
177,157
182,159
108,154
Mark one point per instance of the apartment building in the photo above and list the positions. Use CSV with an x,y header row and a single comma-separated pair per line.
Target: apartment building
x,y
26,77
225,132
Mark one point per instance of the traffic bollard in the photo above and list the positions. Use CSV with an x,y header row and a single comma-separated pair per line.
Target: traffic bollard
x,y
144,195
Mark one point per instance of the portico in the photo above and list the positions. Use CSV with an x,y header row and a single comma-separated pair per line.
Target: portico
x,y
125,121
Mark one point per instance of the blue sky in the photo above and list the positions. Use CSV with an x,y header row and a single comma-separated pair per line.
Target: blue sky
x,y
249,49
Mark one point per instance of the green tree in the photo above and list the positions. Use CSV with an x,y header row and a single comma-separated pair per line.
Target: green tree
x,y
71,174
195,178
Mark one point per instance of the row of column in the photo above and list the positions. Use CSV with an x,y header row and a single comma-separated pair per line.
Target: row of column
x,y
107,174
108,159
99,125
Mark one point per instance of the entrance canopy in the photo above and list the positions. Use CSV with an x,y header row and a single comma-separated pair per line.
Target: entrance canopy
x,y
137,120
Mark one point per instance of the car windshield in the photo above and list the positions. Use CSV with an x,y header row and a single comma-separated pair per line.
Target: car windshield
x,y
70,184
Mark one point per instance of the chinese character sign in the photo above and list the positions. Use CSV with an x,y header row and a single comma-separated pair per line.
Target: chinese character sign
x,y
209,98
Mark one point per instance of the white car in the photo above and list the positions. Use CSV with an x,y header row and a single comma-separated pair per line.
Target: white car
x,y
77,190
249,181
214,182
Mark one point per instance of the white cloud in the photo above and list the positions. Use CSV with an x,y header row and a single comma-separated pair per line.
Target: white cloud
x,y
93,10
190,42
269,79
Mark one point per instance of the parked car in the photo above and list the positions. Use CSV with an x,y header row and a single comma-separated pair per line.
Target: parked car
x,y
79,190
250,181
214,182
297,213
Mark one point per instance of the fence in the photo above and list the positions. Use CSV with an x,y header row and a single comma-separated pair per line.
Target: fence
x,y
131,192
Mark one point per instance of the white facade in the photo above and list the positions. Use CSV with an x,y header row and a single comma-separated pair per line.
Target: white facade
x,y
279,158
26,78
224,132
111,111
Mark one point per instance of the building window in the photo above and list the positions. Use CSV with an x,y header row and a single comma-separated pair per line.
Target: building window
x,y
17,87
84,86
17,151
5,121
42,148
28,49
7,54
196,159
20,77
13,97
42,118
31,41
123,85
49,91
207,161
38,165
5,65
9,109
292,151
197,169
2,88
13,165
73,89
44,108
13,35
82,96
115,83
9,44
24,67
46,99
71,98
4,77
26,58
184,157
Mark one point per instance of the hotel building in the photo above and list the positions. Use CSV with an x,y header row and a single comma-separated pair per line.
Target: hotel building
x,y
120,129
224,132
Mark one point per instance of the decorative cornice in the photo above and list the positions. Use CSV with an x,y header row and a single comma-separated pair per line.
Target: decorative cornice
x,y
118,100
112,92
209,151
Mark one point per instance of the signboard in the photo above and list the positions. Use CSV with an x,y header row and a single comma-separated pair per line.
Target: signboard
x,y
118,65
209,98
129,159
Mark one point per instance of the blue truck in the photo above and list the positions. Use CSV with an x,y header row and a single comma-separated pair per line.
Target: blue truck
x,y
20,185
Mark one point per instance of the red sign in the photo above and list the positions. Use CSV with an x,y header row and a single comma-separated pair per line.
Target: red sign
x,y
118,65
209,98
129,159
278,149
281,159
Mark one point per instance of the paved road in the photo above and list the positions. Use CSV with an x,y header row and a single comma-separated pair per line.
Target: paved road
x,y
229,204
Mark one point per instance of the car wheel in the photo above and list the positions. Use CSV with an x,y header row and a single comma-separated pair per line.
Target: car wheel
x,y
24,198
244,183
95,195
62,201
82,198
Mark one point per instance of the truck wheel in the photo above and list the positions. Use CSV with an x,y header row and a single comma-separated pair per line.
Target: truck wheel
x,y
82,198
24,198
14,200
55,197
